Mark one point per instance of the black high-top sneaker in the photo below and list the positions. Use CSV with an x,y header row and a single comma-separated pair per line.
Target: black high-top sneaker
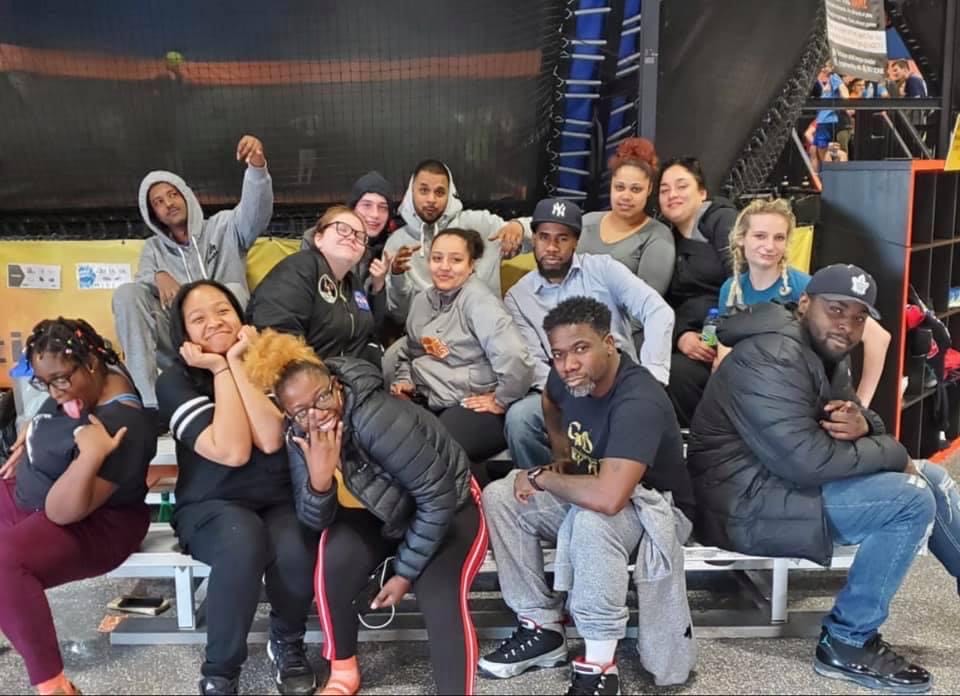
x,y
291,669
594,680
530,646
875,665
219,686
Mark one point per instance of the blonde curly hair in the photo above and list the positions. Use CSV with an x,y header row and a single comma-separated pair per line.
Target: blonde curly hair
x,y
775,206
273,357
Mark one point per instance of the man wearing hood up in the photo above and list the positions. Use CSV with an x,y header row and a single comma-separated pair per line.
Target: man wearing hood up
x,y
786,462
429,205
186,247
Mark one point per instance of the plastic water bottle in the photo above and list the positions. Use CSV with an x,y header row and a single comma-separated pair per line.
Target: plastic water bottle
x,y
709,332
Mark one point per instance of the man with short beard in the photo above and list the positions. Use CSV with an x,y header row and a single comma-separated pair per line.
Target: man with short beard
x,y
618,475
786,462
561,273
431,204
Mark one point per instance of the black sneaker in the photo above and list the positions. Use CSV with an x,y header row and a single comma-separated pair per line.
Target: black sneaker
x,y
875,666
530,646
593,680
291,669
215,686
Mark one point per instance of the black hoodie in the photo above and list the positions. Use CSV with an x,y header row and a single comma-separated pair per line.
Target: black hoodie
x,y
701,267
757,453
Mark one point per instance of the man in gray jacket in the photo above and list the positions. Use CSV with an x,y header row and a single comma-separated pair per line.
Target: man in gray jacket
x,y
431,204
186,247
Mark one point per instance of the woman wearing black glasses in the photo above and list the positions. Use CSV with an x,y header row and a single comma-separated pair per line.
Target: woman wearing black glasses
x,y
235,509
316,293
72,490
380,477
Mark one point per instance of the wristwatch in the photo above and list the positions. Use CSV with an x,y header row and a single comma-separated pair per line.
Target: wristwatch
x,y
532,475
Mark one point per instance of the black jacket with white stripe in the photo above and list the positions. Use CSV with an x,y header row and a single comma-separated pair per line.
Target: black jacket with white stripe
x,y
397,459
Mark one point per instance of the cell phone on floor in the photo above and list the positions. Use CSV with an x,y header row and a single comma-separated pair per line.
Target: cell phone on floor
x,y
149,606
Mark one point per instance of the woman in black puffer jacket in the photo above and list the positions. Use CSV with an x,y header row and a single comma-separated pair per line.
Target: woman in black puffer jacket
x,y
380,478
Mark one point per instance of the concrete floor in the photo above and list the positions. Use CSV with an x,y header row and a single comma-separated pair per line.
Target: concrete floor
x,y
924,623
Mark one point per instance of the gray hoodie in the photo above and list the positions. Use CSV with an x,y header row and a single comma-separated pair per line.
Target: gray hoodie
x,y
218,246
474,347
401,287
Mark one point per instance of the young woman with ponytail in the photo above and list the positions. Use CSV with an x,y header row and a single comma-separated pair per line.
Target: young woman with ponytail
x,y
761,273
72,493
626,232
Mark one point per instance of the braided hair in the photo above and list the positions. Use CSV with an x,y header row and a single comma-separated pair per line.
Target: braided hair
x,y
738,233
75,339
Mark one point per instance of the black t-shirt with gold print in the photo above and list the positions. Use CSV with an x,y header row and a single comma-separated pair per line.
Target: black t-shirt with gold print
x,y
634,420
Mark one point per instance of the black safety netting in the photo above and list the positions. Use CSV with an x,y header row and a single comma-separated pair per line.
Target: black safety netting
x,y
94,95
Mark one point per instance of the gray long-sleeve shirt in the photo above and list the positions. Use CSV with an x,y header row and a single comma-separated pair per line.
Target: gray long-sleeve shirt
x,y
648,252
608,281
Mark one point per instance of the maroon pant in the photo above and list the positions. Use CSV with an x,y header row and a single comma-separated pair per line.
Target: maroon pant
x,y
36,554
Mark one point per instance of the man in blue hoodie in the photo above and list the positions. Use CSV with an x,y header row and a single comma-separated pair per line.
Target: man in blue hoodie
x,y
186,247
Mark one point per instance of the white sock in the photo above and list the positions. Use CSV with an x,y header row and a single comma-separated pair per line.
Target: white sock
x,y
600,652
556,627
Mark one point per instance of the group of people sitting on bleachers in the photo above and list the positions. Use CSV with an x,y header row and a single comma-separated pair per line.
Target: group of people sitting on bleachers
x,y
303,469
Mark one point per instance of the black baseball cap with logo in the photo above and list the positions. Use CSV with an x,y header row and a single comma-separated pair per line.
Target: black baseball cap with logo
x,y
558,210
845,282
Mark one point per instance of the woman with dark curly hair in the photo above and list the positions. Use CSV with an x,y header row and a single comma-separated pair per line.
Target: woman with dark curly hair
x,y
72,495
382,480
626,232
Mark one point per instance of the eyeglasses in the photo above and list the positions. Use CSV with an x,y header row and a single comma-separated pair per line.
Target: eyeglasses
x,y
323,400
344,230
61,383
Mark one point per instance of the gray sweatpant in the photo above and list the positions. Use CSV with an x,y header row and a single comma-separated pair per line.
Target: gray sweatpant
x,y
143,328
600,551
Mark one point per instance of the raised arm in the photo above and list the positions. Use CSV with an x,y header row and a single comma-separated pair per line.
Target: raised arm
x,y
263,416
252,215
217,429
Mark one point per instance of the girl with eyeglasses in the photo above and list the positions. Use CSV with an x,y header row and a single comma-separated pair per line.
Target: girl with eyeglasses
x,y
379,477
72,491
235,509
318,294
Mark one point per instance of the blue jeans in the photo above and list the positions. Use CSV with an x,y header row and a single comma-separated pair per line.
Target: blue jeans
x,y
890,516
526,434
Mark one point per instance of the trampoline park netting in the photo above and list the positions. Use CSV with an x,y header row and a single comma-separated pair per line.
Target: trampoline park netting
x,y
94,95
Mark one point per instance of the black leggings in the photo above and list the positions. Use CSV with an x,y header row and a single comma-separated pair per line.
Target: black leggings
x,y
688,381
243,546
353,547
480,435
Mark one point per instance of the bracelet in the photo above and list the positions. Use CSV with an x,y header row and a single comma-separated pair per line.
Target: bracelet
x,y
222,369
532,475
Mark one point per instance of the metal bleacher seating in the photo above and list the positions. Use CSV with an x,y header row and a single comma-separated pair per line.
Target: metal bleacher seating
x,y
762,581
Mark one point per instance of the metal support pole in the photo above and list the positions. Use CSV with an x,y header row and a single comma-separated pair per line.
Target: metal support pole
x,y
946,83
649,67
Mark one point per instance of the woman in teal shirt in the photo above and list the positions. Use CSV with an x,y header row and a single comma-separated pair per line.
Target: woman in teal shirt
x,y
758,248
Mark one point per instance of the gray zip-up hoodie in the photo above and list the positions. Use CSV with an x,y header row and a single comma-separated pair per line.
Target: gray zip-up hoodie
x,y
463,343
217,246
401,287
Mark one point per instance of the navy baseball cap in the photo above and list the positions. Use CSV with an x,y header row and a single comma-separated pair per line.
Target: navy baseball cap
x,y
845,282
558,210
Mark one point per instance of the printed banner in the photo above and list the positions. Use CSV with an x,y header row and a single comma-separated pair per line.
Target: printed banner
x,y
33,276
856,32
102,276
